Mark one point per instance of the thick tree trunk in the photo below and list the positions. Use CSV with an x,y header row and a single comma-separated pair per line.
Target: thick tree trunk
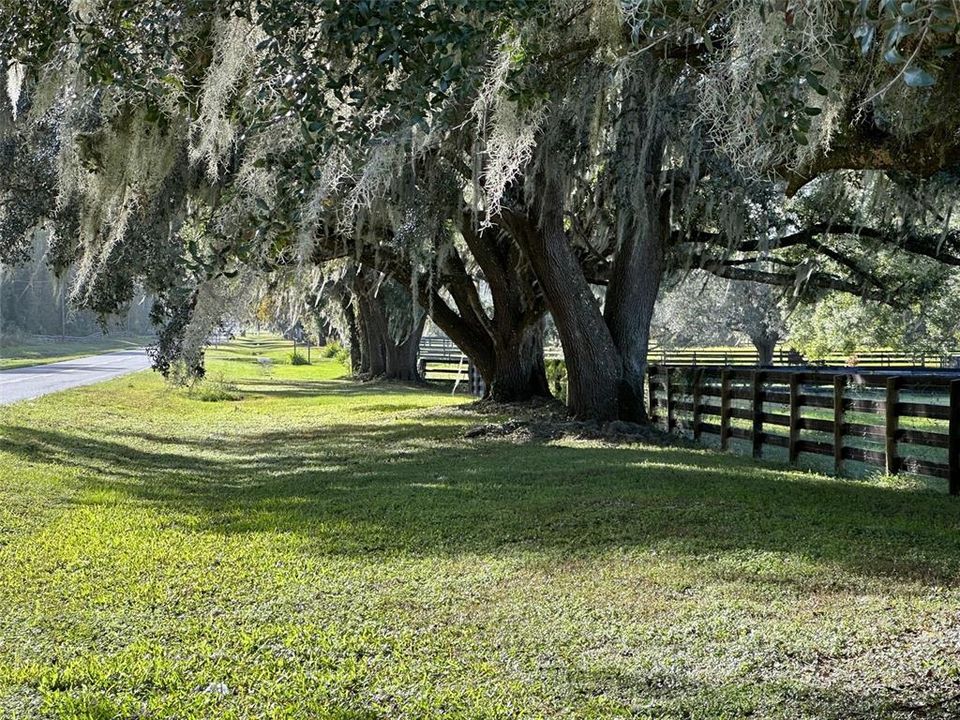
x,y
631,298
516,328
593,363
520,373
507,349
402,356
353,331
465,328
766,345
643,231
385,356
365,361
375,335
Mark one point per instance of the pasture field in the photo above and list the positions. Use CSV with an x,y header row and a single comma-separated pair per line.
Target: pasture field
x,y
282,542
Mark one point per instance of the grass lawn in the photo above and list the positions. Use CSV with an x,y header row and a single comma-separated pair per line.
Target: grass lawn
x,y
322,549
28,353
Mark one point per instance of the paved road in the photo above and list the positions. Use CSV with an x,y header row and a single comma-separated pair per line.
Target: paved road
x,y
31,382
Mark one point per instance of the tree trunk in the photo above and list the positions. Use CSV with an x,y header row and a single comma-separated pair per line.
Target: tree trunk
x,y
376,333
520,373
466,329
387,358
766,345
643,230
353,330
516,328
363,352
377,338
593,363
507,350
631,299
402,356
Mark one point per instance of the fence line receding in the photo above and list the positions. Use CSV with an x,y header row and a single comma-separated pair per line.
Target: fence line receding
x,y
897,422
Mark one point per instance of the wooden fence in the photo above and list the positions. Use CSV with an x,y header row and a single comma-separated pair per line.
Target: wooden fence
x,y
903,422
720,356
94,337
889,359
438,349
440,359
783,356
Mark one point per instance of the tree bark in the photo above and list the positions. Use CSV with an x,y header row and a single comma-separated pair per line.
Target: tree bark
x,y
593,362
520,372
402,356
463,327
644,194
606,353
345,301
375,337
506,349
387,357
631,297
516,329
766,346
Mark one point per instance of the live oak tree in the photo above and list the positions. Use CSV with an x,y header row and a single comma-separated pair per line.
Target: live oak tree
x,y
701,309
583,134
805,88
241,154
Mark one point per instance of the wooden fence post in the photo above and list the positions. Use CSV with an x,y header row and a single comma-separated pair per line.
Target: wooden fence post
x,y
725,409
671,419
757,413
954,462
893,397
475,381
697,395
839,383
652,371
794,442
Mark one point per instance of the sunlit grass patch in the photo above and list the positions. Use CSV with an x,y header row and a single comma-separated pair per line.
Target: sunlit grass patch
x,y
321,548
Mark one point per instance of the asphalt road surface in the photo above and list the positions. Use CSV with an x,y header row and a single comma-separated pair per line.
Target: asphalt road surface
x,y
32,382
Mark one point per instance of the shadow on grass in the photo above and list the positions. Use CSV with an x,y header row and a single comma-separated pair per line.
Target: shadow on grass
x,y
405,488
333,387
673,693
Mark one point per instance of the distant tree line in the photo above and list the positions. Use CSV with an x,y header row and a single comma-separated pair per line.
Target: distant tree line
x,y
35,301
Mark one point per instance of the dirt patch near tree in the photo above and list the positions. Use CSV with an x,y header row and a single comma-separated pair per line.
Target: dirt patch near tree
x,y
543,420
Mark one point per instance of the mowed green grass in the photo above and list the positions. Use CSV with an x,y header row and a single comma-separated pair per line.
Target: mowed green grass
x,y
28,353
322,549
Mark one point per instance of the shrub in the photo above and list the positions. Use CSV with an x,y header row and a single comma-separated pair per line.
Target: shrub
x,y
331,350
557,378
343,357
298,359
11,336
217,390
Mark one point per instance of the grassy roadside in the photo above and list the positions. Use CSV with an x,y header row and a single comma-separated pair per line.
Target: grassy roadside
x,y
27,354
324,549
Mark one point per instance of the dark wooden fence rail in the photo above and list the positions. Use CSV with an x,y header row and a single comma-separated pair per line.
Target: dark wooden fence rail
x,y
898,422
746,357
